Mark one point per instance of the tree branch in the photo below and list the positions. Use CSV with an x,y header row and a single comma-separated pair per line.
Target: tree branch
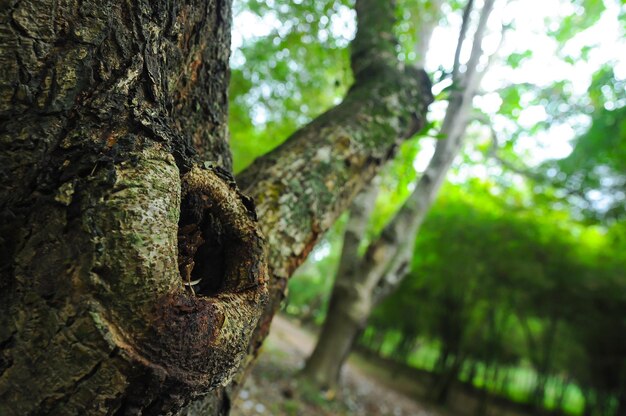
x,y
425,32
477,50
459,44
374,44
493,153
302,186
387,258
360,211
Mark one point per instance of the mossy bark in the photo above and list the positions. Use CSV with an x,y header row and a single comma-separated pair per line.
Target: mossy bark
x,y
362,283
107,109
133,271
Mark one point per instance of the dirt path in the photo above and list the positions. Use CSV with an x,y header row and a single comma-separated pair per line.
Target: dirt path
x,y
272,388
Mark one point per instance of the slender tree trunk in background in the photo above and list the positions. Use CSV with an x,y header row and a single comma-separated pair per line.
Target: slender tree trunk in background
x,y
506,384
429,20
109,113
483,405
446,380
485,394
404,347
386,260
588,408
561,389
503,382
375,341
471,374
339,332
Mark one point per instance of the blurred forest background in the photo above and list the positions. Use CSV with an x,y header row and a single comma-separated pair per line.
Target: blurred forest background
x,y
515,286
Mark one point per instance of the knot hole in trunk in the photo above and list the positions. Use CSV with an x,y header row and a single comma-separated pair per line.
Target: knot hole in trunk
x,y
219,246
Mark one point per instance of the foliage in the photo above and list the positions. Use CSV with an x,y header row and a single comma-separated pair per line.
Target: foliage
x,y
499,286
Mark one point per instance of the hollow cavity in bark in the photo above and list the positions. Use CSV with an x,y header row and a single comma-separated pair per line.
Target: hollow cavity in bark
x,y
217,239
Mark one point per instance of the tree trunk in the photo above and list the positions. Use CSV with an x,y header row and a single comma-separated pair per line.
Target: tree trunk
x,y
105,106
305,184
344,317
446,379
561,390
362,284
324,365
541,356
133,274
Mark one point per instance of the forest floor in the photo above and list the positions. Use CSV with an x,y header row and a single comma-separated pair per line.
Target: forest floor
x,y
273,388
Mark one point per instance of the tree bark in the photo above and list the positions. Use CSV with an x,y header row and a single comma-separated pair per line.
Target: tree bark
x,y
361,284
105,109
133,270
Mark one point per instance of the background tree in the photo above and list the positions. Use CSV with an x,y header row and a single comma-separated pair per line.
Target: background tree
x,y
362,282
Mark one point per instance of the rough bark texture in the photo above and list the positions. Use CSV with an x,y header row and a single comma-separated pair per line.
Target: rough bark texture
x,y
132,273
429,20
364,282
101,106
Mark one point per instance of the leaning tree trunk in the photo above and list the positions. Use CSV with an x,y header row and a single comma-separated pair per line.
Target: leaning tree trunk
x,y
133,271
304,185
364,282
340,328
351,296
